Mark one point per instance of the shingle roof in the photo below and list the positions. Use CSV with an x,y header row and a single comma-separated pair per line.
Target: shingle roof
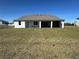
x,y
39,17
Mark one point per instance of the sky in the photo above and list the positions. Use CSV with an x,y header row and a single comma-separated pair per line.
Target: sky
x,y
65,9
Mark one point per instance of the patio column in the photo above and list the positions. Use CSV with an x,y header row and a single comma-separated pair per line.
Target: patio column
x,y
51,24
62,24
39,24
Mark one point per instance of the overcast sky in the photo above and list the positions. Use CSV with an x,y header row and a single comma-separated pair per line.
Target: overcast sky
x,y
66,9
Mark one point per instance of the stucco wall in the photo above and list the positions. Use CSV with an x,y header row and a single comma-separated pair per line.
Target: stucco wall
x,y
16,23
77,23
30,24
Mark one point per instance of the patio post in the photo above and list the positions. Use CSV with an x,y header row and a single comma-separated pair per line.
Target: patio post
x,y
62,24
39,24
51,24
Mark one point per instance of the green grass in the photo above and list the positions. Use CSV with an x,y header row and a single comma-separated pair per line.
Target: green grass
x,y
44,43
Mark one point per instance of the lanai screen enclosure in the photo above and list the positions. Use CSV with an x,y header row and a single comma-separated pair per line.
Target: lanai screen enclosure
x,y
39,21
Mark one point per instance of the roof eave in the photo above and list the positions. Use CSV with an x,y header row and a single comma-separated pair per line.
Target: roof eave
x,y
39,20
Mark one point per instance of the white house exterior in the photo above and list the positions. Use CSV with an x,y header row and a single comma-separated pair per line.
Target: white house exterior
x,y
39,21
16,23
77,22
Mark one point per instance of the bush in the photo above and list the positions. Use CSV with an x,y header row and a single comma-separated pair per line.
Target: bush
x,y
69,24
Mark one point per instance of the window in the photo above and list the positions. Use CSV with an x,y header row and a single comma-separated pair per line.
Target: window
x,y
19,22
35,23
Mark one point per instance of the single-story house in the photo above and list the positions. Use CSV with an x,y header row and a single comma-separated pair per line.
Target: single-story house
x,y
77,22
39,21
11,24
2,22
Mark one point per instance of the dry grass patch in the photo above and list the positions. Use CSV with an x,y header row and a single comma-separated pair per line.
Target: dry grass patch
x,y
39,43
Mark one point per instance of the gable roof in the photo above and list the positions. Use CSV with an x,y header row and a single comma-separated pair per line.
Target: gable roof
x,y
39,17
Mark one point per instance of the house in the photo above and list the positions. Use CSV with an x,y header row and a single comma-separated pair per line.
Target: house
x,y
77,22
39,21
2,22
11,24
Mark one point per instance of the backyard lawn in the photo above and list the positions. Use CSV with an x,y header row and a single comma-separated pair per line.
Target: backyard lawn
x,y
37,43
